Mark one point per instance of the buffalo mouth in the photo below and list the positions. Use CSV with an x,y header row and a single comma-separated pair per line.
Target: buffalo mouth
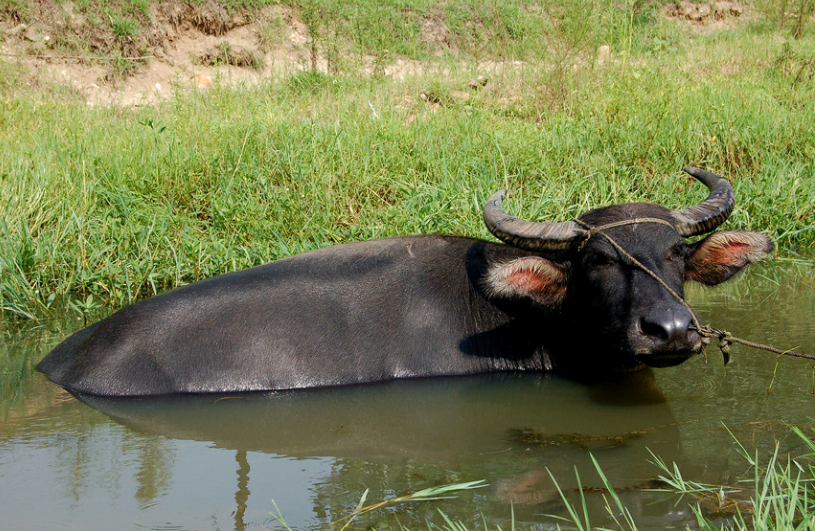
x,y
664,359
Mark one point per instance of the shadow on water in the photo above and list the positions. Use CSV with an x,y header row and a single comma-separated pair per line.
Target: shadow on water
x,y
217,462
438,418
513,421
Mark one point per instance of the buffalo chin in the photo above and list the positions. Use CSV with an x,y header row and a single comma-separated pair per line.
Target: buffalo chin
x,y
664,359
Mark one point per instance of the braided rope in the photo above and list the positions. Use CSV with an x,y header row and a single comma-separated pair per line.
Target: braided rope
x,y
706,331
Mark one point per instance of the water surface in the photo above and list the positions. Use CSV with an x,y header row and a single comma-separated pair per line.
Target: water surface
x,y
218,462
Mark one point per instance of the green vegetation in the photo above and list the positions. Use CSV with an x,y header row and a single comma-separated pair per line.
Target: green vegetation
x,y
225,55
14,9
102,206
441,492
792,15
778,496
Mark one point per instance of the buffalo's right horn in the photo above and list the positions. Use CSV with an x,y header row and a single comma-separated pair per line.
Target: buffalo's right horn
x,y
710,213
529,235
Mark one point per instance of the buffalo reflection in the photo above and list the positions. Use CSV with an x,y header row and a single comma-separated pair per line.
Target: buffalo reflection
x,y
466,423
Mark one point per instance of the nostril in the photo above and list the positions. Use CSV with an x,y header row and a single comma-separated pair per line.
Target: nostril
x,y
653,329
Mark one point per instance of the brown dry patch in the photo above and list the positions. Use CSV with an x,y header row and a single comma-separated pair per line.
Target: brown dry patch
x,y
209,18
229,55
182,44
434,30
177,44
715,15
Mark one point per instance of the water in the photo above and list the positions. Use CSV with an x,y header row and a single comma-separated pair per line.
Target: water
x,y
219,462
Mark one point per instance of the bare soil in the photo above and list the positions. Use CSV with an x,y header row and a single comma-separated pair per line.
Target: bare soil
x,y
707,15
182,44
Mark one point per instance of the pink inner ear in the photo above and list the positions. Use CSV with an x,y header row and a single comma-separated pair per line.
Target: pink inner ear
x,y
529,281
731,252
722,254
533,277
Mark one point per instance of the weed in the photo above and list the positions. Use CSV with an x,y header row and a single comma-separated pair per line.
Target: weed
x,y
309,82
272,33
139,7
225,54
123,28
314,17
120,67
795,65
16,10
794,15
777,496
566,30
441,492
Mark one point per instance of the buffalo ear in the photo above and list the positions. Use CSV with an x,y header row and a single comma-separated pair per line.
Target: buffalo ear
x,y
529,277
723,254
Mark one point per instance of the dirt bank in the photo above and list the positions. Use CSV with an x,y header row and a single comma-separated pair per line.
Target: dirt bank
x,y
137,56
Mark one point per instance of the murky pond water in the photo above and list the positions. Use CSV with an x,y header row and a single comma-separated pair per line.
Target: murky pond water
x,y
219,462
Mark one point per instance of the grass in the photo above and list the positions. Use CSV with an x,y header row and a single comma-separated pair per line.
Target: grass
x,y
775,495
103,206
778,496
440,492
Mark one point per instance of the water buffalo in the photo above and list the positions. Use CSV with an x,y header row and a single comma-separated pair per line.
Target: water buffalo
x,y
553,297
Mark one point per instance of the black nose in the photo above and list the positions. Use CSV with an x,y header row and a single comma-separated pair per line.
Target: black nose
x,y
668,328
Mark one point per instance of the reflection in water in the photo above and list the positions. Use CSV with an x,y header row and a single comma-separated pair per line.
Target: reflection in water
x,y
218,462
242,494
405,418
154,460
440,430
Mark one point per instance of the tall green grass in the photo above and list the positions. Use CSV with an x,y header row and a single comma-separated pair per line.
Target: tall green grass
x,y
775,494
107,205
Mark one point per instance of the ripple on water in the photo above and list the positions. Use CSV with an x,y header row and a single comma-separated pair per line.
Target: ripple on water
x,y
10,523
160,527
697,380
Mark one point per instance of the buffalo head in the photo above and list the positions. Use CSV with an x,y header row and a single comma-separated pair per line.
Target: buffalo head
x,y
616,312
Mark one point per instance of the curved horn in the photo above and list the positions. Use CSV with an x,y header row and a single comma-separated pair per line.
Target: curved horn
x,y
710,213
527,234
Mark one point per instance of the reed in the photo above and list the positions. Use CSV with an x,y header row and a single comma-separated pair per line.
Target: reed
x,y
775,494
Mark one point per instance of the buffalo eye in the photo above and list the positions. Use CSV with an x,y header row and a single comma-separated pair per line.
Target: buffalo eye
x,y
677,254
597,260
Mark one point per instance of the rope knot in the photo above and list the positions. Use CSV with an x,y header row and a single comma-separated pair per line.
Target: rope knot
x,y
724,344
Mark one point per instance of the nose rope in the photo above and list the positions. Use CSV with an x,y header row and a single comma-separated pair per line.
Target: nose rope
x,y
706,331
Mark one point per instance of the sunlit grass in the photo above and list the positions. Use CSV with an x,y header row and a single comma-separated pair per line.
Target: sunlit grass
x,y
102,206
440,492
780,496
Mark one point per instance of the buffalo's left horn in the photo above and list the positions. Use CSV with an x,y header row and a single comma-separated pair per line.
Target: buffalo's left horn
x,y
710,213
528,234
